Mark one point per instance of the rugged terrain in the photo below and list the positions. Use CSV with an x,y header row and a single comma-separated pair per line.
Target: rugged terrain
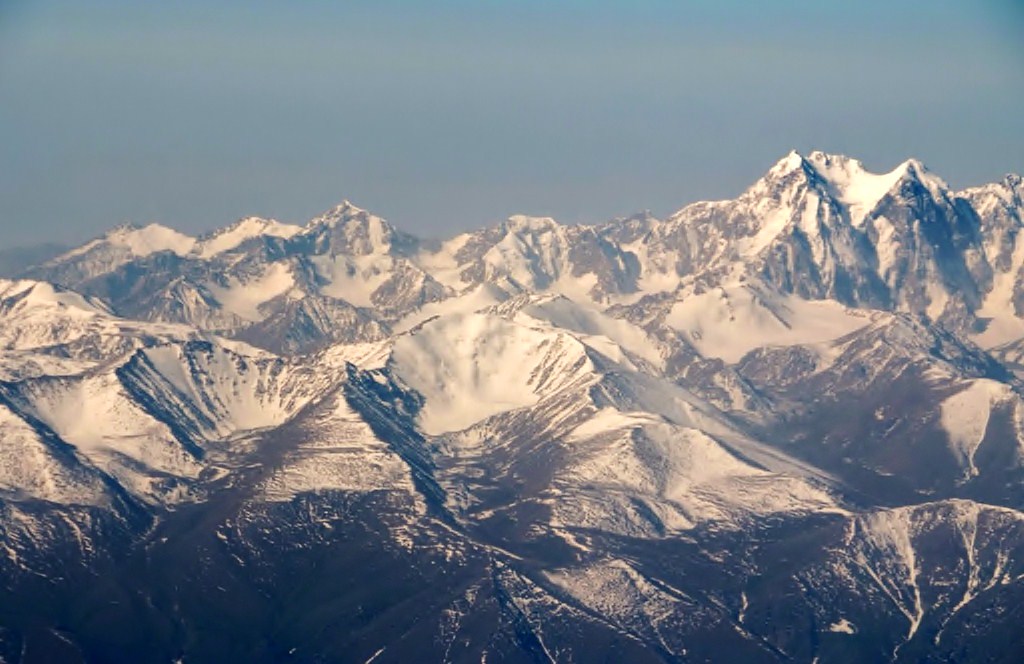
x,y
784,427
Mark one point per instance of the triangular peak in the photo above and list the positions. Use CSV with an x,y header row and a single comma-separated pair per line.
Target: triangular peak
x,y
352,230
340,212
793,161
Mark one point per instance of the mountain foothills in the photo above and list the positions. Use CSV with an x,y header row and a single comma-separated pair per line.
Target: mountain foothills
x,y
784,427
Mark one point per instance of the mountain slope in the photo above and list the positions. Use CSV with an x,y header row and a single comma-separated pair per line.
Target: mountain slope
x,y
786,426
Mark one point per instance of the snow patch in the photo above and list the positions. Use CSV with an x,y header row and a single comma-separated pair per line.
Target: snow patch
x,y
853,185
244,298
1003,326
354,278
469,367
137,241
965,417
728,322
843,626
474,300
591,324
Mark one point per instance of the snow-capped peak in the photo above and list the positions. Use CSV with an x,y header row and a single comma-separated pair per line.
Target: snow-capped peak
x,y
27,293
521,223
151,238
138,241
244,229
348,229
1009,190
341,212
791,162
912,169
792,170
827,160
853,185
846,180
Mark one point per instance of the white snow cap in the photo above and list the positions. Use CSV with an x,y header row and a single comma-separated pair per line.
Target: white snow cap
x,y
791,162
244,229
340,212
151,238
519,223
853,185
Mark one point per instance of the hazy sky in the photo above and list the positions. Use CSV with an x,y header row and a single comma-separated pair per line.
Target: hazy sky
x,y
447,115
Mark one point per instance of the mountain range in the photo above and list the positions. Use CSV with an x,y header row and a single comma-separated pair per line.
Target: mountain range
x,y
783,427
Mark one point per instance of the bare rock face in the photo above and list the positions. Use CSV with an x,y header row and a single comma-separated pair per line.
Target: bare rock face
x,y
786,426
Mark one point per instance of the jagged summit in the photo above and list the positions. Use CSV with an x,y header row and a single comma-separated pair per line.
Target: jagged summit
x,y
844,180
339,213
1008,191
523,223
346,228
854,186
791,162
820,226
642,440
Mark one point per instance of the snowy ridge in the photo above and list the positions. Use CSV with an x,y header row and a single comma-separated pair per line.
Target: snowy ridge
x,y
154,417
30,468
819,227
681,476
120,437
339,452
470,367
49,330
495,379
222,392
241,231
135,241
728,322
644,439
16,297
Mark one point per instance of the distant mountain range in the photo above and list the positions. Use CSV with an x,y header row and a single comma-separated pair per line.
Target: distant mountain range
x,y
784,427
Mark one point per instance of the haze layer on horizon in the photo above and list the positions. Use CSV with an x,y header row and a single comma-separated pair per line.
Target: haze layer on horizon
x,y
453,114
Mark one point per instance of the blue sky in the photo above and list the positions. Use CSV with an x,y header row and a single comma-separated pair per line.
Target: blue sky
x,y
449,115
